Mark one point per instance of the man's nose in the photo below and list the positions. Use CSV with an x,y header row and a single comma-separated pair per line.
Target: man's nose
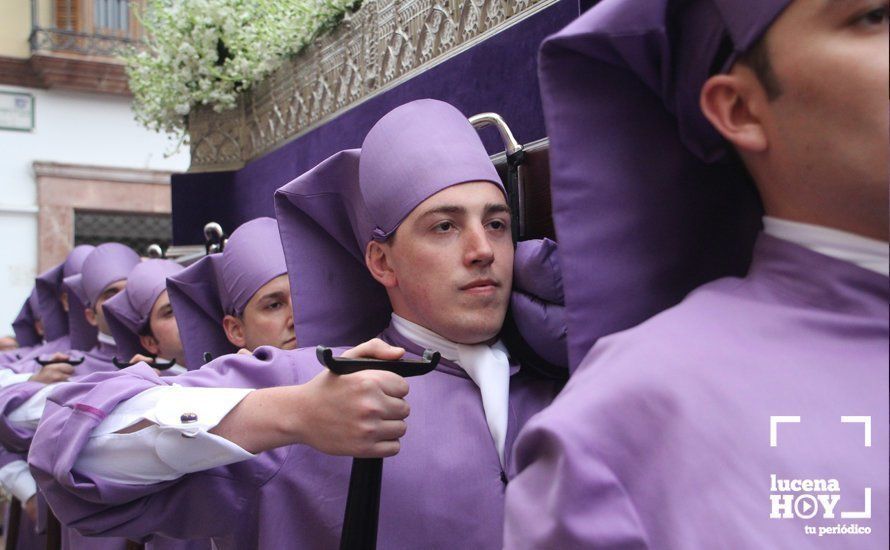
x,y
478,248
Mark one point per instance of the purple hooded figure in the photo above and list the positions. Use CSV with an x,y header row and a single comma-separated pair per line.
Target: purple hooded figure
x,y
754,413
49,288
222,284
129,315
25,327
25,323
444,489
49,291
21,405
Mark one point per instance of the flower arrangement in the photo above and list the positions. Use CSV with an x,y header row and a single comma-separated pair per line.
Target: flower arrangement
x,y
206,52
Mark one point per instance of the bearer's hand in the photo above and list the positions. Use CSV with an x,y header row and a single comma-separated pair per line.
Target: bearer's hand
x,y
30,508
54,372
361,414
141,358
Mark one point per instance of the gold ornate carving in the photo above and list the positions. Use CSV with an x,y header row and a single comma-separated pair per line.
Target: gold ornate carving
x,y
373,49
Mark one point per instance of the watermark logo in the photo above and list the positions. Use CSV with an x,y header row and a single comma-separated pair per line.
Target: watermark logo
x,y
816,499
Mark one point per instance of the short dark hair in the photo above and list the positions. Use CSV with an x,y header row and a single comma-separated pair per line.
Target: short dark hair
x,y
757,58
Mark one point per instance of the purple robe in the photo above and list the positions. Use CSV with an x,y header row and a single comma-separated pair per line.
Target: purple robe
x,y
445,488
662,436
28,361
17,438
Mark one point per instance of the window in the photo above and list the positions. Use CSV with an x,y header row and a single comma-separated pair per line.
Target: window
x,y
111,15
134,230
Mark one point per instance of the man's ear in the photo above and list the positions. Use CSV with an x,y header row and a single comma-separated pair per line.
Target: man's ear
x,y
234,328
90,314
150,343
735,104
377,260
63,297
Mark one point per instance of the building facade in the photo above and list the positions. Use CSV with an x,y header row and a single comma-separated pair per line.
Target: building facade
x,y
75,167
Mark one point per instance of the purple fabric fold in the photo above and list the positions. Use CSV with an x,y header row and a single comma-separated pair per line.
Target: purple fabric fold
x,y
24,324
49,290
619,83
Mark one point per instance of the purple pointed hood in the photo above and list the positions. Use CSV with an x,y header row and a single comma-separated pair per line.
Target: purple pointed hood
x,y
128,313
642,211
329,214
222,284
106,264
24,324
49,291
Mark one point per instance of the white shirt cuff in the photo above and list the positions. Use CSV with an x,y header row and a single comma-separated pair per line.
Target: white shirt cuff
x,y
28,414
9,378
16,478
176,444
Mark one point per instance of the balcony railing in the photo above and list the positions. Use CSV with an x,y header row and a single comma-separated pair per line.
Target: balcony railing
x,y
87,27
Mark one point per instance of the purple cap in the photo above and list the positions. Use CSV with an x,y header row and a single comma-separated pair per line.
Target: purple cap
x,y
106,264
220,284
642,216
128,312
49,291
23,326
412,153
329,214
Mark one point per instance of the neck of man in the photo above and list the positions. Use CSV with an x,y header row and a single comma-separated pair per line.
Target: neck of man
x,y
798,194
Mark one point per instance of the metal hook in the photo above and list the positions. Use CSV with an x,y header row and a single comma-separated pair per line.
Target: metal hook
x,y
515,157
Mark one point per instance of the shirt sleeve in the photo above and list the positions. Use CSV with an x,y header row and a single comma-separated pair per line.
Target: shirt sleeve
x,y
28,414
177,443
16,478
8,377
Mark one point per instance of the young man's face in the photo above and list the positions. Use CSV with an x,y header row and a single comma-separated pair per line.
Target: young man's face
x,y
451,263
268,319
96,315
830,121
164,338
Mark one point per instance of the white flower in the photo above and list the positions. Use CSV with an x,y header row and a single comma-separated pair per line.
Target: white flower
x,y
181,66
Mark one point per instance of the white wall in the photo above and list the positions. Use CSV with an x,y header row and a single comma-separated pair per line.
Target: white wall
x,y
70,127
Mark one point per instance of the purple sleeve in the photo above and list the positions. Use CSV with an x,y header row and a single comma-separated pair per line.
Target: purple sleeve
x,y
16,438
567,489
188,507
8,457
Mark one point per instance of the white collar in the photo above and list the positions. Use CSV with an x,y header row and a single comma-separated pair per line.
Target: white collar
x,y
867,253
105,339
488,366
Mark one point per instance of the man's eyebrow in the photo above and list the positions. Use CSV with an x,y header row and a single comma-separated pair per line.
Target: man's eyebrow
x,y
445,209
279,294
496,208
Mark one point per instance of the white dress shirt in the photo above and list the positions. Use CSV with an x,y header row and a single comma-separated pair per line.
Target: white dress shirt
x,y
870,254
16,478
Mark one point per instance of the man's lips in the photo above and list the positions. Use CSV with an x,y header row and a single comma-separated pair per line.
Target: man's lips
x,y
481,285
